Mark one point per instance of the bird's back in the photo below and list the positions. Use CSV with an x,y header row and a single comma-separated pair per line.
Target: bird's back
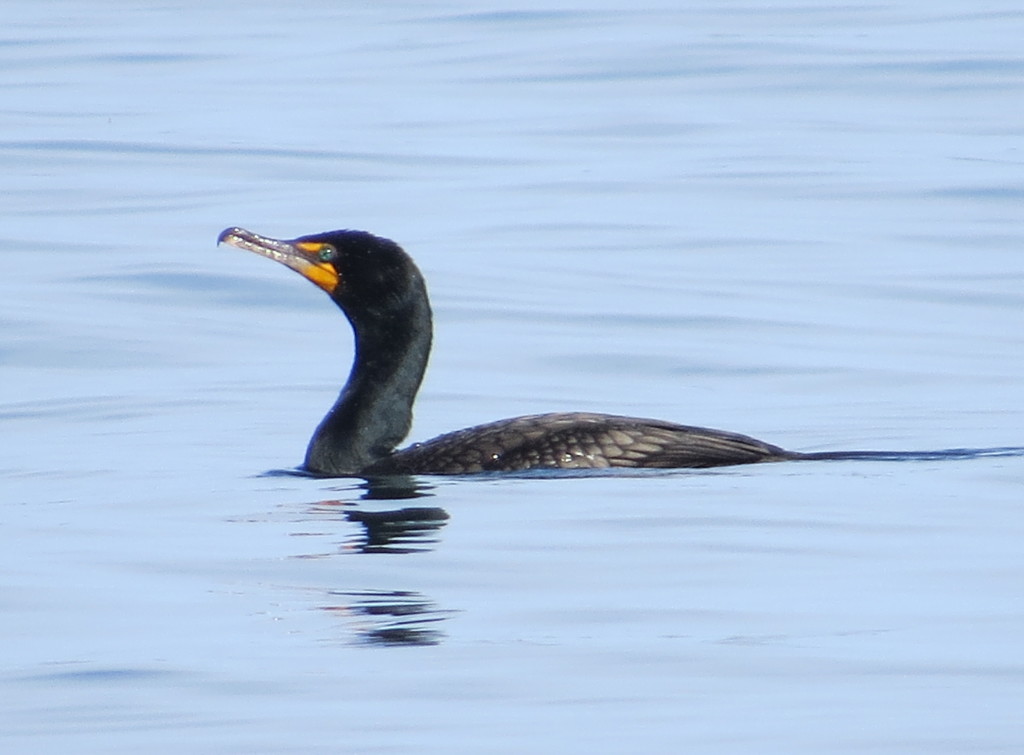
x,y
576,441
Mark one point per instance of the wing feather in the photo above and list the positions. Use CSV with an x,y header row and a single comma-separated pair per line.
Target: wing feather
x,y
577,441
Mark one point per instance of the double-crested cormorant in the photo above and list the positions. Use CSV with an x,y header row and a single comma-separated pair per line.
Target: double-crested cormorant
x,y
382,293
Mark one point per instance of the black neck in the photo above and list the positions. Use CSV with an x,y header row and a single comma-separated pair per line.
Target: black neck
x,y
374,411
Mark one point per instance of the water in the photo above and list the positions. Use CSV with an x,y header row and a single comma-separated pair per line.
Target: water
x,y
797,222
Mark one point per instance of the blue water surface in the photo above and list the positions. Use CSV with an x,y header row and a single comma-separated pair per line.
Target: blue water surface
x,y
794,220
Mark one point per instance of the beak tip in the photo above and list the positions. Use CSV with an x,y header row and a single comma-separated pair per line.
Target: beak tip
x,y
226,235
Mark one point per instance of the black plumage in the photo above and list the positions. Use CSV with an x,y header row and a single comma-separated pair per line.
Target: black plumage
x,y
575,440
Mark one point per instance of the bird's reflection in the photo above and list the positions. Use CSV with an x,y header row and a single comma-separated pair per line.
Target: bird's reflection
x,y
394,488
411,529
408,530
389,617
384,617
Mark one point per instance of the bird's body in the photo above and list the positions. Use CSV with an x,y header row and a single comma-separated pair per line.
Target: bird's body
x,y
382,293
577,440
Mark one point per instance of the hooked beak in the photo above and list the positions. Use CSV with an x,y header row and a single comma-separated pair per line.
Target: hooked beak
x,y
300,256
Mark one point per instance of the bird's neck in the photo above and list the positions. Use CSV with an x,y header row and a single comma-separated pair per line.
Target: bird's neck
x,y
373,413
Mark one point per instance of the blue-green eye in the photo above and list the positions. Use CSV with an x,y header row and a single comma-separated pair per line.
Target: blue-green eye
x,y
327,254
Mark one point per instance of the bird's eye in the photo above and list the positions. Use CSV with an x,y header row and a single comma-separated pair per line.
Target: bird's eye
x,y
327,254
